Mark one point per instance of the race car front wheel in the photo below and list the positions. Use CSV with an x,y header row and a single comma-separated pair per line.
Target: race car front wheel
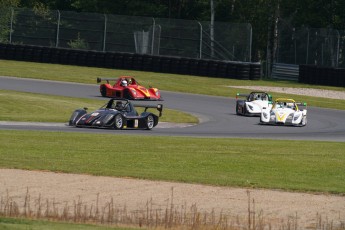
x,y
304,121
150,122
118,121
127,94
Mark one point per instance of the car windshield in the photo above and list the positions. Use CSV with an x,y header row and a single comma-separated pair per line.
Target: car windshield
x,y
258,96
284,105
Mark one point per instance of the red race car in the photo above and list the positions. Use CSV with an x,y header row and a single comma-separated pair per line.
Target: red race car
x,y
127,87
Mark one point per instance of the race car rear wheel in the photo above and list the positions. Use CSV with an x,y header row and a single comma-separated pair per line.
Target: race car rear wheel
x,y
103,91
118,121
237,108
244,109
150,122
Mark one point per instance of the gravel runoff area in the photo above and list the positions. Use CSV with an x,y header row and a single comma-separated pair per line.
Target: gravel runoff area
x,y
276,206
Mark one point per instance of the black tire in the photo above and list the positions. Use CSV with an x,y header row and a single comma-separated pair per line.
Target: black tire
x,y
244,110
237,109
261,122
118,123
150,122
103,91
304,121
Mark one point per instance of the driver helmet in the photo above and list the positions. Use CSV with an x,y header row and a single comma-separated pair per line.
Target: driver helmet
x,y
124,82
119,105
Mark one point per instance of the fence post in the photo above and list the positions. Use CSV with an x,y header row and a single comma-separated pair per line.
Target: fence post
x,y
250,42
105,31
11,26
153,35
57,29
200,41
307,56
338,47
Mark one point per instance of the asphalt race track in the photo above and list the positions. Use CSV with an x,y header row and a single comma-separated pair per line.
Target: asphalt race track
x,y
217,115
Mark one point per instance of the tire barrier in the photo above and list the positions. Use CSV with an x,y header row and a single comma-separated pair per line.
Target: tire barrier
x,y
137,62
255,71
213,68
165,64
203,67
175,65
243,71
131,61
184,66
222,69
147,63
193,67
156,64
318,75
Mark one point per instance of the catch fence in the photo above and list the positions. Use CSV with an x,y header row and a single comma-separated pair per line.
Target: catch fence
x,y
117,33
311,46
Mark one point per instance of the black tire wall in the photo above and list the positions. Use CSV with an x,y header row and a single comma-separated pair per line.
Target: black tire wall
x,y
130,61
318,75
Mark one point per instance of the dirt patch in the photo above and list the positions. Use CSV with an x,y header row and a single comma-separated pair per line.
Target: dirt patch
x,y
134,195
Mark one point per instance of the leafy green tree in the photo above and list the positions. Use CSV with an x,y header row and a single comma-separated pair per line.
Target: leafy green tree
x,y
5,18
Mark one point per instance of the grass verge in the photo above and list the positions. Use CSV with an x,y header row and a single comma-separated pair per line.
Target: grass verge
x,y
313,166
20,106
163,81
25,224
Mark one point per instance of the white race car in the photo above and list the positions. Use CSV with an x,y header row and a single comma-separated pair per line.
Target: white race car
x,y
284,112
253,104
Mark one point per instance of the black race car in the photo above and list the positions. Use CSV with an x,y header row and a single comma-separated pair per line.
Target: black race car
x,y
117,114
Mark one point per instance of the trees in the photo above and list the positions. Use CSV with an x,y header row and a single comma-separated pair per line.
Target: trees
x,y
5,17
263,15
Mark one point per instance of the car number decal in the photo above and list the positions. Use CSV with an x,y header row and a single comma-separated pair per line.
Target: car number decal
x,y
136,123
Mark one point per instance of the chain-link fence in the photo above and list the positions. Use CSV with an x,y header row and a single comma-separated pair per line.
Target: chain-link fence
x,y
321,47
144,35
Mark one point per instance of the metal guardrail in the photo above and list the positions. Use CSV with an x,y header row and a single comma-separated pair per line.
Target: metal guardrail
x,y
283,71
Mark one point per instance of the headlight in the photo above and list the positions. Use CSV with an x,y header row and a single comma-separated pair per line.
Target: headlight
x,y
296,117
157,93
134,91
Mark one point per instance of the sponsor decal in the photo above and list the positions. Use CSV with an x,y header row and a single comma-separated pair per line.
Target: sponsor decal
x,y
281,116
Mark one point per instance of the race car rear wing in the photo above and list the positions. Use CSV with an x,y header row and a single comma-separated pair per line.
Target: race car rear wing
x,y
241,95
159,107
106,79
247,95
299,104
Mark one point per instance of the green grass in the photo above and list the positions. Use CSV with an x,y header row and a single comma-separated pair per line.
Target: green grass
x,y
163,81
27,224
20,106
272,164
